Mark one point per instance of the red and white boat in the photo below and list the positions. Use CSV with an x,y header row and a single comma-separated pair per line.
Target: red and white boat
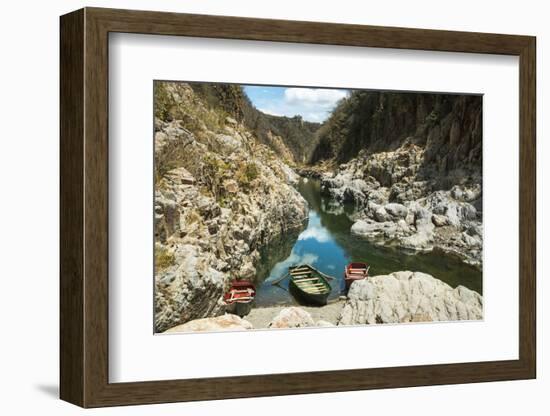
x,y
240,297
355,271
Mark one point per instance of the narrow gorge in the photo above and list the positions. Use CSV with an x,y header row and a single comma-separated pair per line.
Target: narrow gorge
x,y
394,179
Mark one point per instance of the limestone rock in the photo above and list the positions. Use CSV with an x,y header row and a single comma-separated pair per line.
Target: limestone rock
x,y
417,196
226,322
231,120
292,317
231,186
439,220
396,210
219,196
381,215
323,324
180,176
408,297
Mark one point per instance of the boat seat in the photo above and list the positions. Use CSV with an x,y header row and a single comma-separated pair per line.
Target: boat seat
x,y
241,299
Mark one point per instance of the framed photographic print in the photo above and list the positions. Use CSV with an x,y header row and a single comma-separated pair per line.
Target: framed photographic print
x,y
256,207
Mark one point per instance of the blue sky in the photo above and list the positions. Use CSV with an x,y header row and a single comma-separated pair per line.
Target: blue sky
x,y
313,104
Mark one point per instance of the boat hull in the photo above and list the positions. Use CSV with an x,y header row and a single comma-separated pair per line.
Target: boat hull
x,y
307,298
297,288
355,271
239,308
239,300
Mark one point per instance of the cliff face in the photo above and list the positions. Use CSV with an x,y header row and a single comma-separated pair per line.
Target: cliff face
x,y
220,196
447,127
292,138
412,165
297,135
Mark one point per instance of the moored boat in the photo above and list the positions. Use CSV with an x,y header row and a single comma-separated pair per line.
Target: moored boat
x,y
308,285
355,271
240,297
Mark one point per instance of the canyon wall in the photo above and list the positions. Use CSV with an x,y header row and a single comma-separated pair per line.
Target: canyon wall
x,y
220,196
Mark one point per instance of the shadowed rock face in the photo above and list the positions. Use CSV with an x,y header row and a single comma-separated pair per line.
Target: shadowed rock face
x,y
413,166
292,138
447,126
220,196
408,297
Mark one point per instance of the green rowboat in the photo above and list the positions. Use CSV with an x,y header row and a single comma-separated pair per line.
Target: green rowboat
x,y
308,285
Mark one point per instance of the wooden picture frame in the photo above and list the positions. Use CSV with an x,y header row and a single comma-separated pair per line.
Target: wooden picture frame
x,y
84,207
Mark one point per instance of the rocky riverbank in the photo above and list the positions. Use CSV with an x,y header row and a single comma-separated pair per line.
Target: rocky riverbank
x,y
412,163
401,297
220,196
397,208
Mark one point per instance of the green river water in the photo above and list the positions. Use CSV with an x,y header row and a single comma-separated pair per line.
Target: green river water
x,y
326,243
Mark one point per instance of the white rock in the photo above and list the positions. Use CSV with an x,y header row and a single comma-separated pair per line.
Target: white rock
x,y
292,317
322,323
396,210
226,322
408,297
439,220
360,228
381,215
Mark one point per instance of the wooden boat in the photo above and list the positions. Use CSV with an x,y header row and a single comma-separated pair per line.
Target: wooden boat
x,y
240,297
308,285
355,271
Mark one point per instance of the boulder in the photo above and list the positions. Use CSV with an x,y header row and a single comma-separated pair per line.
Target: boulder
x,y
228,143
226,322
379,196
361,228
292,317
396,210
408,297
380,214
166,216
439,220
377,231
324,324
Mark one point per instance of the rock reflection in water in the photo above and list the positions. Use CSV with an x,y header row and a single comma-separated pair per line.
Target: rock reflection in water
x,y
326,244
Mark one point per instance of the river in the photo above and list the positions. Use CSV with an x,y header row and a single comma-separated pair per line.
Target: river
x,y
326,243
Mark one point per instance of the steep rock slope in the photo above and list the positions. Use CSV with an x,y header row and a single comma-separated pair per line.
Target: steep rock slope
x,y
292,138
448,127
413,165
220,196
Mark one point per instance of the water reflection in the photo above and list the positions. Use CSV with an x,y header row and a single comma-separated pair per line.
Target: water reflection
x,y
326,244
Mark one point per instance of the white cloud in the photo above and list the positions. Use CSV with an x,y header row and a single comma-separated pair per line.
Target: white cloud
x,y
316,96
270,112
312,104
319,234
